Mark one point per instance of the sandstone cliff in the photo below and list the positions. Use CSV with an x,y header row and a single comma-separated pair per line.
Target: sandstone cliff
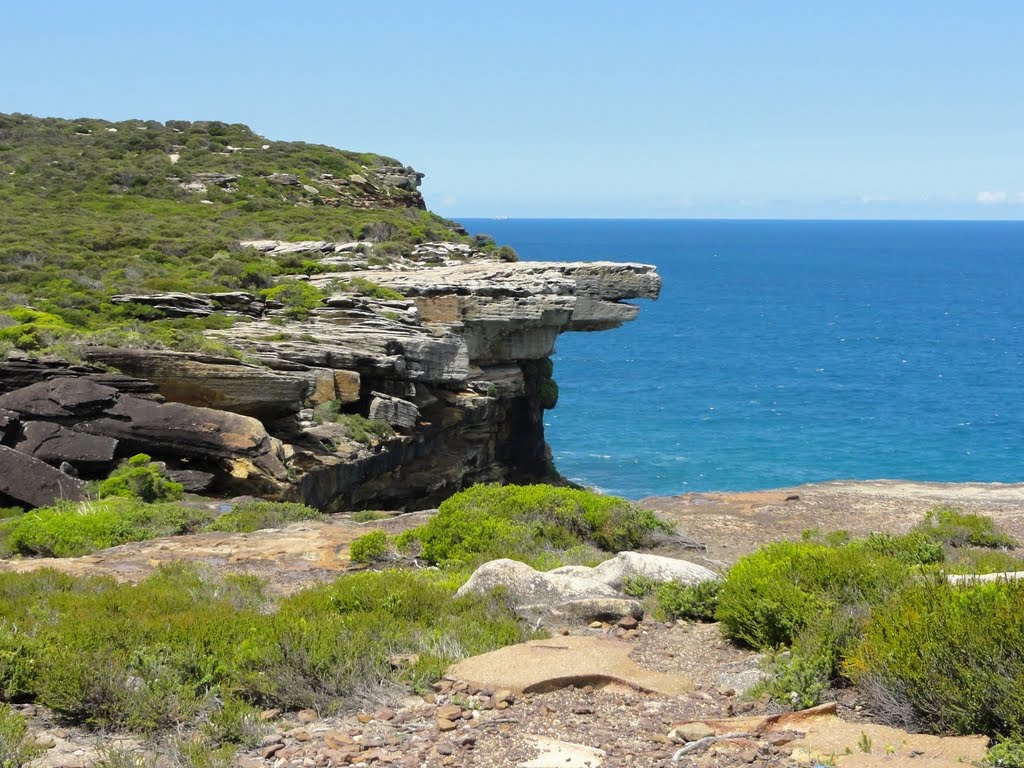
x,y
389,366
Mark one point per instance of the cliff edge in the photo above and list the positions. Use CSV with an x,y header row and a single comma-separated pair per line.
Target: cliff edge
x,y
385,368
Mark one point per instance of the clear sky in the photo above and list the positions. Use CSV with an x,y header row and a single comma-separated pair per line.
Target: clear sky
x,y
832,109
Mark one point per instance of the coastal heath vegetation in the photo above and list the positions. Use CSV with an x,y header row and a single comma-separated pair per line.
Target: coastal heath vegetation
x,y
90,209
880,613
530,523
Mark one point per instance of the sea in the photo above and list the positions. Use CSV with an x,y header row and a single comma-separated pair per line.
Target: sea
x,y
789,352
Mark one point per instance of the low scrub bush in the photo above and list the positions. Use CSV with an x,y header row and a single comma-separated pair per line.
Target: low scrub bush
x,y
140,478
358,427
369,288
954,528
17,748
914,548
769,597
185,645
1005,753
250,516
488,521
370,548
953,653
338,642
696,602
298,297
71,530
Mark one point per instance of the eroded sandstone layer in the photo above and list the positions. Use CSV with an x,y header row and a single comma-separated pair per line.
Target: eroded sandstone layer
x,y
459,368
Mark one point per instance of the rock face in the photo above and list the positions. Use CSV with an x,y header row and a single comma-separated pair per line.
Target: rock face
x,y
78,422
33,483
458,366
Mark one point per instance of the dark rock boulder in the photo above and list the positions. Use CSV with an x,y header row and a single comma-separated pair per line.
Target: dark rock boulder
x,y
237,447
62,399
10,427
54,444
35,483
17,374
238,444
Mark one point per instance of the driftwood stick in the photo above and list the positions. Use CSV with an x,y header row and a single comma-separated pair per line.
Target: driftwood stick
x,y
694,746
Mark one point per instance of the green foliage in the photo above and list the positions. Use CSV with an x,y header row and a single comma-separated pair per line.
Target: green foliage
x,y
369,515
1005,753
696,602
140,478
72,530
86,213
337,641
957,529
369,288
488,521
29,329
185,644
235,721
17,748
358,427
914,548
250,516
298,297
950,652
370,548
770,596
548,392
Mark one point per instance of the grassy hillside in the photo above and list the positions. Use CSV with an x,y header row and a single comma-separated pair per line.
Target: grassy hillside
x,y
90,208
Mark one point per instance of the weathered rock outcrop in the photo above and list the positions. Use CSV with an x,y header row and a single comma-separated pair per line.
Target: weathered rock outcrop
x,y
579,593
79,423
457,366
27,481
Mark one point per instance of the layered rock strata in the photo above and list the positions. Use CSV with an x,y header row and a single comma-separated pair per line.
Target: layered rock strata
x,y
458,370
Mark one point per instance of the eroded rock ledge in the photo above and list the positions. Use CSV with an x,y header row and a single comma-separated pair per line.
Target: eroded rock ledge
x,y
459,368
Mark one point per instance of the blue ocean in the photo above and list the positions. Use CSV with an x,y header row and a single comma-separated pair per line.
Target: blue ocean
x,y
787,352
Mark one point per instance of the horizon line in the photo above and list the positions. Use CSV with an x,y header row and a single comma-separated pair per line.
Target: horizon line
x,y
732,218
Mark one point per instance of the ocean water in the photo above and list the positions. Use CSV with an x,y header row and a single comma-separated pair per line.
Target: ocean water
x,y
786,352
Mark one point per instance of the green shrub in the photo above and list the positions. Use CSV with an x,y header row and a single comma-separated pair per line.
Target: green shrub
x,y
488,521
337,642
370,548
369,515
958,529
696,602
185,645
250,516
952,653
769,597
17,748
802,675
140,478
72,530
235,722
369,288
1005,753
982,560
298,296
358,428
914,548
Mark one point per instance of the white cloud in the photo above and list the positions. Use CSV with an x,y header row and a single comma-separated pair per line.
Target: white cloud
x,y
992,198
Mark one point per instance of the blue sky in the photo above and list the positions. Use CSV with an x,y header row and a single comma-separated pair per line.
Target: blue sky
x,y
594,109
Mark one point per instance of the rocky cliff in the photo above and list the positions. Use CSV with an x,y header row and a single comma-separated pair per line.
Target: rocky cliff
x,y
388,368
